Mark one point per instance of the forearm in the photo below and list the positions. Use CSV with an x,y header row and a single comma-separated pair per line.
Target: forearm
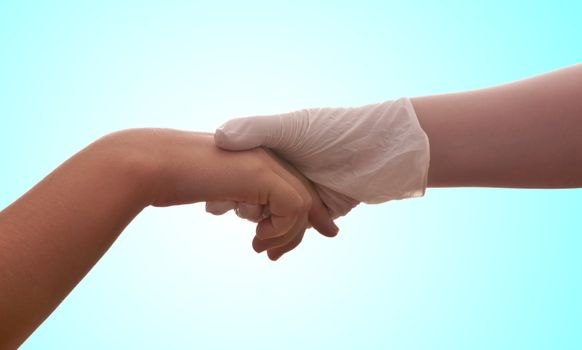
x,y
52,236
523,134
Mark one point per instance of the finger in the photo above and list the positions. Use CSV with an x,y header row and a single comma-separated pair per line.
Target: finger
x,y
220,207
285,205
320,219
266,244
275,253
252,212
260,245
250,132
274,226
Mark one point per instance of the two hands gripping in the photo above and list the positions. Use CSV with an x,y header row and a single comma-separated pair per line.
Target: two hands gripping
x,y
371,154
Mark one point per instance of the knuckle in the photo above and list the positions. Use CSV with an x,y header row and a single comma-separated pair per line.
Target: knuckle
x,y
302,205
299,240
281,242
298,204
307,203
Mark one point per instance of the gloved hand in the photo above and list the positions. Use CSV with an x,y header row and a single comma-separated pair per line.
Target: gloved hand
x,y
372,154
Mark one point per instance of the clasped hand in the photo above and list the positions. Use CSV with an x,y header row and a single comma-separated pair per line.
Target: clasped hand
x,y
188,168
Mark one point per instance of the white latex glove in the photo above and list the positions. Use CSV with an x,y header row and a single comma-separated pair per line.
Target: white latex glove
x,y
372,154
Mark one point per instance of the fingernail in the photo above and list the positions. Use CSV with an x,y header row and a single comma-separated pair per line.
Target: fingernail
x,y
333,229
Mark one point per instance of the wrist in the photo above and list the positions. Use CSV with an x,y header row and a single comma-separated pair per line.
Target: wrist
x,y
133,161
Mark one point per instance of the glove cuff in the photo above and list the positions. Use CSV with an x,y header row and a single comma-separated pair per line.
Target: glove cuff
x,y
384,151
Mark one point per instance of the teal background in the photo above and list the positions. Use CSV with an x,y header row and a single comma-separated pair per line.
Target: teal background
x,y
457,269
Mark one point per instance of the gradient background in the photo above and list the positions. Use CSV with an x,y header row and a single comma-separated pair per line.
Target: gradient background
x,y
457,269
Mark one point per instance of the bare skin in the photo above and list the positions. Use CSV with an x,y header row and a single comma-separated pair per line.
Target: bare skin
x,y
526,134
52,236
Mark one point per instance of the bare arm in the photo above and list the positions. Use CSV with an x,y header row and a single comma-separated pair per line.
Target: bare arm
x,y
523,134
52,236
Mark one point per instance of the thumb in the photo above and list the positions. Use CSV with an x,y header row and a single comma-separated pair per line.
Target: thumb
x,y
250,132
